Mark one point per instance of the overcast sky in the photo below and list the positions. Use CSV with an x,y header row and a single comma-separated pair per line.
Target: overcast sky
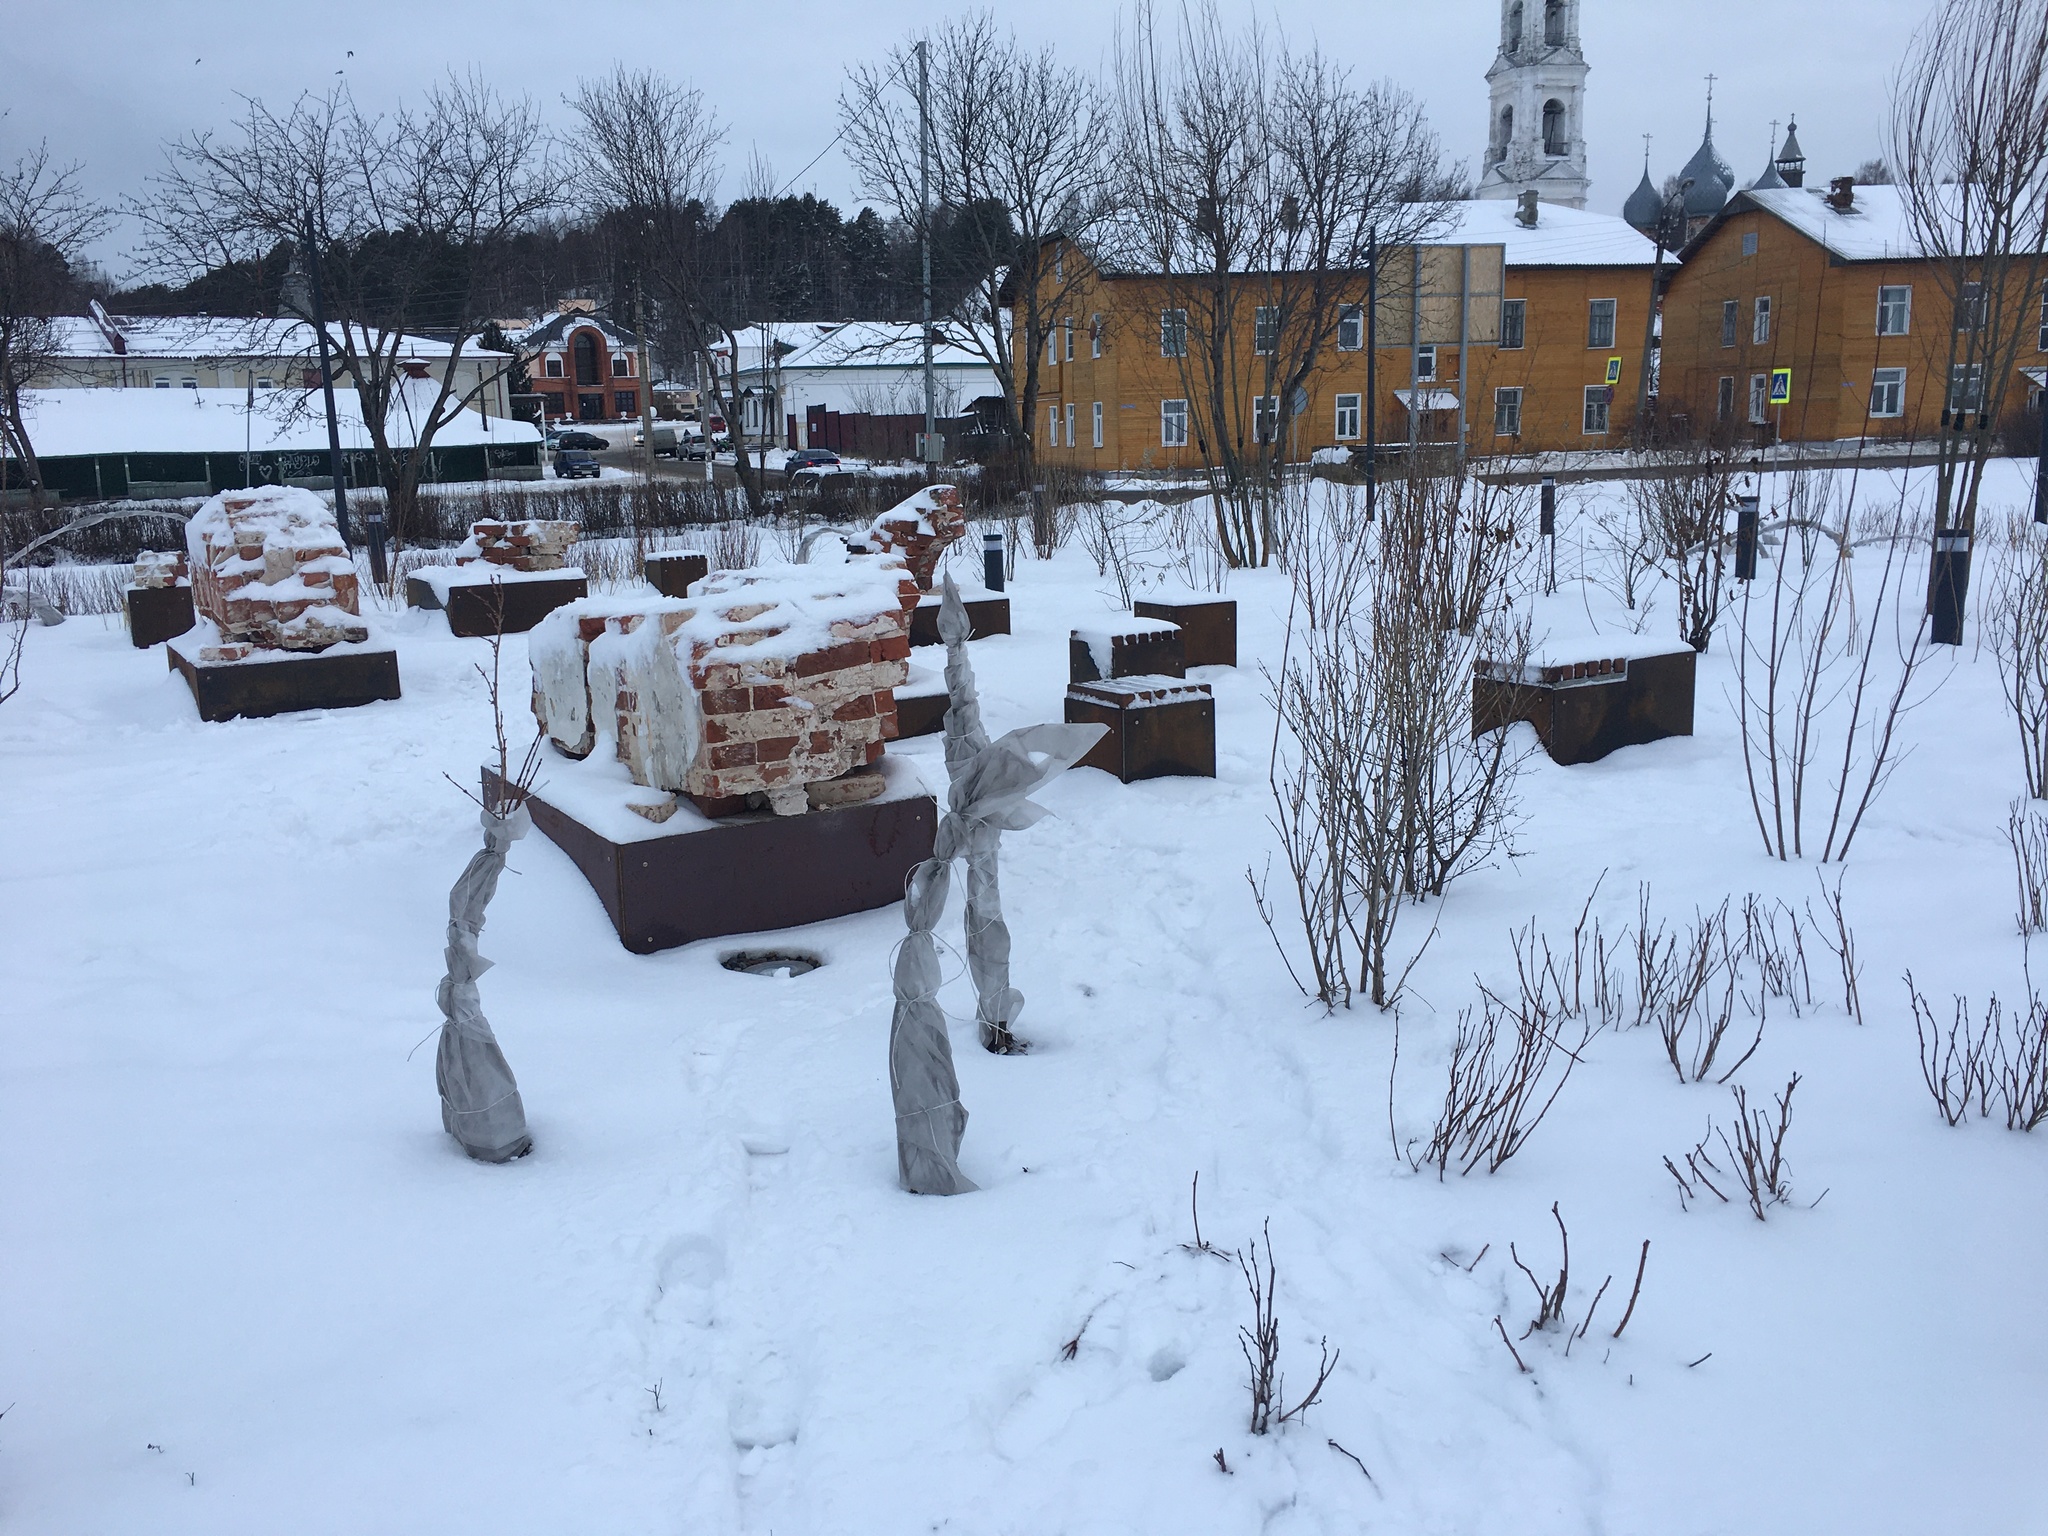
x,y
107,81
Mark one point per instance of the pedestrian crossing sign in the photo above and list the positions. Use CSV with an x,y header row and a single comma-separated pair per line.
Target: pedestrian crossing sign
x,y
1781,386
1614,370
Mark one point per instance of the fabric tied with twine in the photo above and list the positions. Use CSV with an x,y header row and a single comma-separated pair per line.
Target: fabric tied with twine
x,y
480,1104
990,794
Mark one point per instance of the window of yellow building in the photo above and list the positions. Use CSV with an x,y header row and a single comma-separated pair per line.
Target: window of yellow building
x,y
1600,323
1173,423
1514,324
1507,412
1348,414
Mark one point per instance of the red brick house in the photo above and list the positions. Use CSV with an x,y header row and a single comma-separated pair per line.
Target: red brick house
x,y
583,367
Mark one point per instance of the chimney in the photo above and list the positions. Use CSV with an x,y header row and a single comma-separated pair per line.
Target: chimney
x,y
1525,210
1842,193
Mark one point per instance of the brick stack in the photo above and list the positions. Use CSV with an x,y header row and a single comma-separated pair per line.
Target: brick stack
x,y
269,569
777,683
532,544
919,530
156,569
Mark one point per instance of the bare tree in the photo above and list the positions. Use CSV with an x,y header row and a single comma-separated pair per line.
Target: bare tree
x,y
1969,147
648,151
1261,181
1020,175
407,211
46,222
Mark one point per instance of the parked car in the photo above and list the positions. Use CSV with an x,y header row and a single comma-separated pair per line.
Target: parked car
x,y
576,464
810,458
554,438
664,441
694,450
583,440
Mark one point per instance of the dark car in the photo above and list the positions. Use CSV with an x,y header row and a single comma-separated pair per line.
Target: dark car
x,y
583,440
575,464
810,458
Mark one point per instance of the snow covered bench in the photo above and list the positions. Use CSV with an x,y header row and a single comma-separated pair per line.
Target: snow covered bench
x,y
1590,697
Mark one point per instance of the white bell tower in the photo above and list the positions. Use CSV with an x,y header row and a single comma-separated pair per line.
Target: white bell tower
x,y
1537,138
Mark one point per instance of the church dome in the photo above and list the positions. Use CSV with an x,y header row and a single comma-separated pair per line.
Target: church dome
x,y
1645,206
1712,179
1770,181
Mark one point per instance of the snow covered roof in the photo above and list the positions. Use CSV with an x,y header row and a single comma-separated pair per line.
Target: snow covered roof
x,y
1563,237
878,344
1875,227
80,421
196,336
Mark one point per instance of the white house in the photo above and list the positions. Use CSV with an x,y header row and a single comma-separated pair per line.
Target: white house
x,y
105,351
789,375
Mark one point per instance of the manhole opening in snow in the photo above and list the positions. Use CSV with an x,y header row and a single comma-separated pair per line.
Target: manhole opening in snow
x,y
770,962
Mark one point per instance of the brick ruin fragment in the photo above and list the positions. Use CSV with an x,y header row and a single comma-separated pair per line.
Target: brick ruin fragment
x,y
269,570
919,531
160,568
530,544
769,686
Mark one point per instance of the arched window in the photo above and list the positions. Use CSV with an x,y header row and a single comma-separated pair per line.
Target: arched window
x,y
586,358
1553,24
1507,134
1553,128
1515,27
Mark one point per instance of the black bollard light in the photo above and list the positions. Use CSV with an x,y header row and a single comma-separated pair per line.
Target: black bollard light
x,y
1951,586
2041,467
992,560
1745,537
1546,525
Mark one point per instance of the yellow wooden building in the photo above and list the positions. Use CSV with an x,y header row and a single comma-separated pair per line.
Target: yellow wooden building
x,y
1519,328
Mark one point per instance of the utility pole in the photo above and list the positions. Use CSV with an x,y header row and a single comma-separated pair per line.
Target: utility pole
x,y
924,220
374,523
1372,382
646,378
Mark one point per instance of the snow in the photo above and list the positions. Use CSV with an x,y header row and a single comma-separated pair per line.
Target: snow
x,y
1563,237
1875,228
192,337
251,1284
441,579
80,421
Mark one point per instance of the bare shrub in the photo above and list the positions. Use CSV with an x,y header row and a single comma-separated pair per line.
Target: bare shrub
x,y
1699,1162
1499,1086
1819,722
1999,1065
1699,988
2026,830
1772,942
735,545
1383,795
2017,623
1128,543
1681,495
1841,943
1758,1149
1261,1343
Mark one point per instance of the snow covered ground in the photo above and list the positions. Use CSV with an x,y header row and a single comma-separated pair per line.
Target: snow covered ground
x,y
251,1286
